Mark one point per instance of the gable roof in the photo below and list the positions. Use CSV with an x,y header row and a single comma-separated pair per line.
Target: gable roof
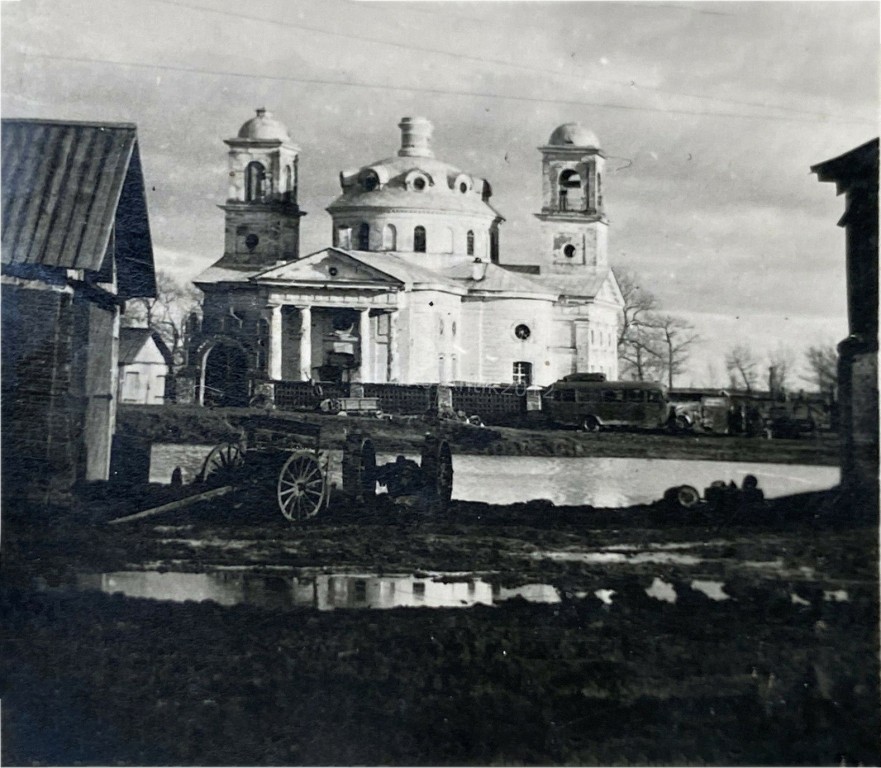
x,y
331,266
132,341
498,279
586,284
64,187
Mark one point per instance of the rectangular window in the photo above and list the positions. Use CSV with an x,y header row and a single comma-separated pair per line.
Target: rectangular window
x,y
634,396
522,373
567,395
131,388
613,396
654,397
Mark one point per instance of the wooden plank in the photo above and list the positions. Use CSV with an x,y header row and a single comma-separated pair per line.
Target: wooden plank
x,y
173,505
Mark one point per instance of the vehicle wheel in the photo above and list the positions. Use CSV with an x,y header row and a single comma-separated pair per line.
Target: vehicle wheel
x,y
688,497
301,487
359,468
223,465
591,424
436,464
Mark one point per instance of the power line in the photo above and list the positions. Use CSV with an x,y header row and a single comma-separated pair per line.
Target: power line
x,y
500,62
418,89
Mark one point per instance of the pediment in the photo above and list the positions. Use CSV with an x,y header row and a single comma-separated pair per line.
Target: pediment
x,y
330,266
610,291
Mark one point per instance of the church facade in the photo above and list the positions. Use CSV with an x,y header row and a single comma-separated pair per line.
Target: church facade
x,y
413,288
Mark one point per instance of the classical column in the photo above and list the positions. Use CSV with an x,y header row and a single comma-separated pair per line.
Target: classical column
x,y
305,342
364,340
275,334
393,371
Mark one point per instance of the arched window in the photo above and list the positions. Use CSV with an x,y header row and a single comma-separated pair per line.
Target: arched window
x,y
255,178
419,240
469,241
389,238
570,190
364,236
343,237
289,181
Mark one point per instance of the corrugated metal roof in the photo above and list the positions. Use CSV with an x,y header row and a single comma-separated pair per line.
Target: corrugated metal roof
x,y
64,185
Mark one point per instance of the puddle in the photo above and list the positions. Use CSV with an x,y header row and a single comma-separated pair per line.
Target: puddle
x,y
322,591
605,558
715,590
661,590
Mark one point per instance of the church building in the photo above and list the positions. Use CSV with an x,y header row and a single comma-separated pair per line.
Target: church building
x,y
414,288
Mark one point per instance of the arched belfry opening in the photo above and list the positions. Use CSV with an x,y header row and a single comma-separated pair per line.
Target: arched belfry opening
x,y
570,195
255,182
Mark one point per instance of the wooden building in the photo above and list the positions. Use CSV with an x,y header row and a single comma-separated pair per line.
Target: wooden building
x,y
144,365
855,174
75,245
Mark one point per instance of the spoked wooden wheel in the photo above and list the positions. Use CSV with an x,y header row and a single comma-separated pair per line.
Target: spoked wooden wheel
x,y
437,472
301,487
223,465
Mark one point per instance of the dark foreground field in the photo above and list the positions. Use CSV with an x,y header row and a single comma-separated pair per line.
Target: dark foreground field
x,y
783,671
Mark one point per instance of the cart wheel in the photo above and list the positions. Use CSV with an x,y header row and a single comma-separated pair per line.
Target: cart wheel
x,y
301,486
437,470
359,468
223,465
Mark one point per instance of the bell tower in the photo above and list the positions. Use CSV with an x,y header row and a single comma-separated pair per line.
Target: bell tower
x,y
262,213
572,214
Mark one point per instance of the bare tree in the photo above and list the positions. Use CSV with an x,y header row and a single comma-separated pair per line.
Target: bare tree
x,y
638,343
780,363
741,364
822,364
676,338
167,313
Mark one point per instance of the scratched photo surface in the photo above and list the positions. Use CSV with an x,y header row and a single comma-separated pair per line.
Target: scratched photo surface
x,y
439,383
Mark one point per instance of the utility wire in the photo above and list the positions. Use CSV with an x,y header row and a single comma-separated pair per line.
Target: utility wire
x,y
418,89
501,62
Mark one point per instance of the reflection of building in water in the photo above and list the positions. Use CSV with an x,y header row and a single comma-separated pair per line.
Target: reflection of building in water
x,y
325,591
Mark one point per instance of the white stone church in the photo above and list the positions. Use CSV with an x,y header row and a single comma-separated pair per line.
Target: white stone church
x,y
415,288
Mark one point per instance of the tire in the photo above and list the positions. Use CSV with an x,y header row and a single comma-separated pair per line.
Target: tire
x,y
590,424
687,497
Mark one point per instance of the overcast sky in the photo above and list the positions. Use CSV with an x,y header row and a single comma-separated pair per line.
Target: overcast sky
x,y
710,115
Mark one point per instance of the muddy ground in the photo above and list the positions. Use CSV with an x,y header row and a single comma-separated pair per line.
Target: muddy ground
x,y
193,424
784,671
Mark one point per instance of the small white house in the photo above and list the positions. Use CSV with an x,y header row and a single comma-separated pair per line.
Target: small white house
x,y
143,366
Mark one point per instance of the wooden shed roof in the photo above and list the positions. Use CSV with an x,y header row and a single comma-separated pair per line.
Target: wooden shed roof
x,y
64,186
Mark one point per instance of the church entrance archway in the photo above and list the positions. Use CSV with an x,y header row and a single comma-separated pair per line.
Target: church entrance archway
x,y
226,376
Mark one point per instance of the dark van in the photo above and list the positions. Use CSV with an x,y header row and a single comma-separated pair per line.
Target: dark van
x,y
580,400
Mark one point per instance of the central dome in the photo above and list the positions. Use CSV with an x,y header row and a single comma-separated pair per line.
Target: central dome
x,y
264,127
573,135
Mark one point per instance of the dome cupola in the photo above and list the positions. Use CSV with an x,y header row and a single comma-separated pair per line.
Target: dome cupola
x,y
573,135
264,127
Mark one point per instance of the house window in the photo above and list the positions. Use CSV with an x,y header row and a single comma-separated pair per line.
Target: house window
x,y
389,238
522,332
569,251
289,182
343,237
419,240
522,373
131,387
494,246
364,237
469,239
255,178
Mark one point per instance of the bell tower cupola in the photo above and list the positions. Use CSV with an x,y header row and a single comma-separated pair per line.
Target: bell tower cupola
x,y
572,214
262,212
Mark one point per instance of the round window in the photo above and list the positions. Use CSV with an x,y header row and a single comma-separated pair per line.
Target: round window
x,y
463,187
251,241
522,332
419,183
333,271
569,251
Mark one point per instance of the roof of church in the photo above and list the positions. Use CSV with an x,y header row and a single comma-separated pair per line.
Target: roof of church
x,y
498,279
573,135
388,183
224,271
586,284
264,127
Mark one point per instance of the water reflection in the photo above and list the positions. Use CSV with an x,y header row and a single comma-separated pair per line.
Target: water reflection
x,y
323,591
